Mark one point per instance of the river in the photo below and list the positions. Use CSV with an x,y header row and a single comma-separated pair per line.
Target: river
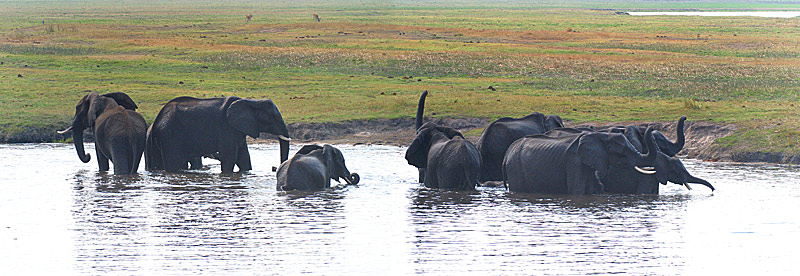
x,y
59,216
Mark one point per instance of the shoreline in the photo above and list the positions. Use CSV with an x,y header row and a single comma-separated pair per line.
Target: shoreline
x,y
700,136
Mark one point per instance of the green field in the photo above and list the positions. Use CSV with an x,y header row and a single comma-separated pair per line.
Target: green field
x,y
371,59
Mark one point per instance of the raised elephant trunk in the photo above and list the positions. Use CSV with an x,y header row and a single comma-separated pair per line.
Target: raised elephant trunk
x,y
652,148
284,143
670,148
421,109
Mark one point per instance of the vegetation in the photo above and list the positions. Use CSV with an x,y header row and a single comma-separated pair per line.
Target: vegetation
x,y
580,59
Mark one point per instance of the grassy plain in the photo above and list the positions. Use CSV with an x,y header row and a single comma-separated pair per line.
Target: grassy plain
x,y
371,59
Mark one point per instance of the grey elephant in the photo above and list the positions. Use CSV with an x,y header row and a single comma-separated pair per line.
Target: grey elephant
x,y
635,135
119,131
312,168
188,128
496,138
450,161
571,163
445,159
667,167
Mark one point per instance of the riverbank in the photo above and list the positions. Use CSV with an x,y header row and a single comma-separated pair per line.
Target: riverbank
x,y
702,138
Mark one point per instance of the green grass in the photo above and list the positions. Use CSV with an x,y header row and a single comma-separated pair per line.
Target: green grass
x,y
372,60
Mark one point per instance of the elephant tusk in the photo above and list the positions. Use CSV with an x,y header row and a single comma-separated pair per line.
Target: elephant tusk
x,y
64,131
284,138
643,171
649,168
687,186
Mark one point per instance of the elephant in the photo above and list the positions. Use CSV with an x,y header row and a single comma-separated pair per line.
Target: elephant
x,y
571,162
119,131
188,128
496,138
636,136
450,161
312,169
622,179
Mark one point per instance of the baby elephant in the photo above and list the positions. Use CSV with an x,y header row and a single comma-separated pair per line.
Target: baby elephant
x,y
312,168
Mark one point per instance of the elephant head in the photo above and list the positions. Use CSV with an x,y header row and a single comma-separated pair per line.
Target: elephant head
x,y
664,169
86,112
334,163
252,117
604,151
417,152
553,122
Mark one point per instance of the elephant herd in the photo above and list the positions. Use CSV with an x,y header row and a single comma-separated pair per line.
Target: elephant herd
x,y
537,154
530,154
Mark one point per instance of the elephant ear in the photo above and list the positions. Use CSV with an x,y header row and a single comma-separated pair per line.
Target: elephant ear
x,y
417,152
242,117
329,153
95,107
308,149
593,153
122,99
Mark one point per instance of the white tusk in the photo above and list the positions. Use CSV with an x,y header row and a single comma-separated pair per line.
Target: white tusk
x,y
64,131
687,186
649,168
643,171
284,138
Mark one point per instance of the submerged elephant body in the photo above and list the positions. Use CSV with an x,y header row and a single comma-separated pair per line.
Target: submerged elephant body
x,y
569,163
499,135
188,128
119,131
312,168
445,159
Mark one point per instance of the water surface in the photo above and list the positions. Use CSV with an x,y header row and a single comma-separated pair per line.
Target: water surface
x,y
60,216
775,14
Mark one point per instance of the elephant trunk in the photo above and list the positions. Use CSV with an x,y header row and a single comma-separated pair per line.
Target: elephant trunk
x,y
352,179
652,148
77,137
673,148
421,109
692,179
284,143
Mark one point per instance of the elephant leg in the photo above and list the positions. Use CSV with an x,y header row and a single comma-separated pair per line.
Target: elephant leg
x,y
421,175
580,180
121,162
227,158
243,159
102,160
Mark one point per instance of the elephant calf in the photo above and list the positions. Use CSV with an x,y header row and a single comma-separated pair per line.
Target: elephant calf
x,y
312,168
119,131
450,161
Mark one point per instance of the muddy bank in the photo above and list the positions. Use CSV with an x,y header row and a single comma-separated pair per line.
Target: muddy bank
x,y
700,136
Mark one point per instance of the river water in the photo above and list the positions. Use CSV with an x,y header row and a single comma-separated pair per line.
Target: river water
x,y
59,216
774,14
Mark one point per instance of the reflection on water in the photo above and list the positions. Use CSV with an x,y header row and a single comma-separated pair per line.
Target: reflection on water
x,y
59,211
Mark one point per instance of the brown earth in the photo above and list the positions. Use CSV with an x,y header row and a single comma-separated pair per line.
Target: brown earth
x,y
700,136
